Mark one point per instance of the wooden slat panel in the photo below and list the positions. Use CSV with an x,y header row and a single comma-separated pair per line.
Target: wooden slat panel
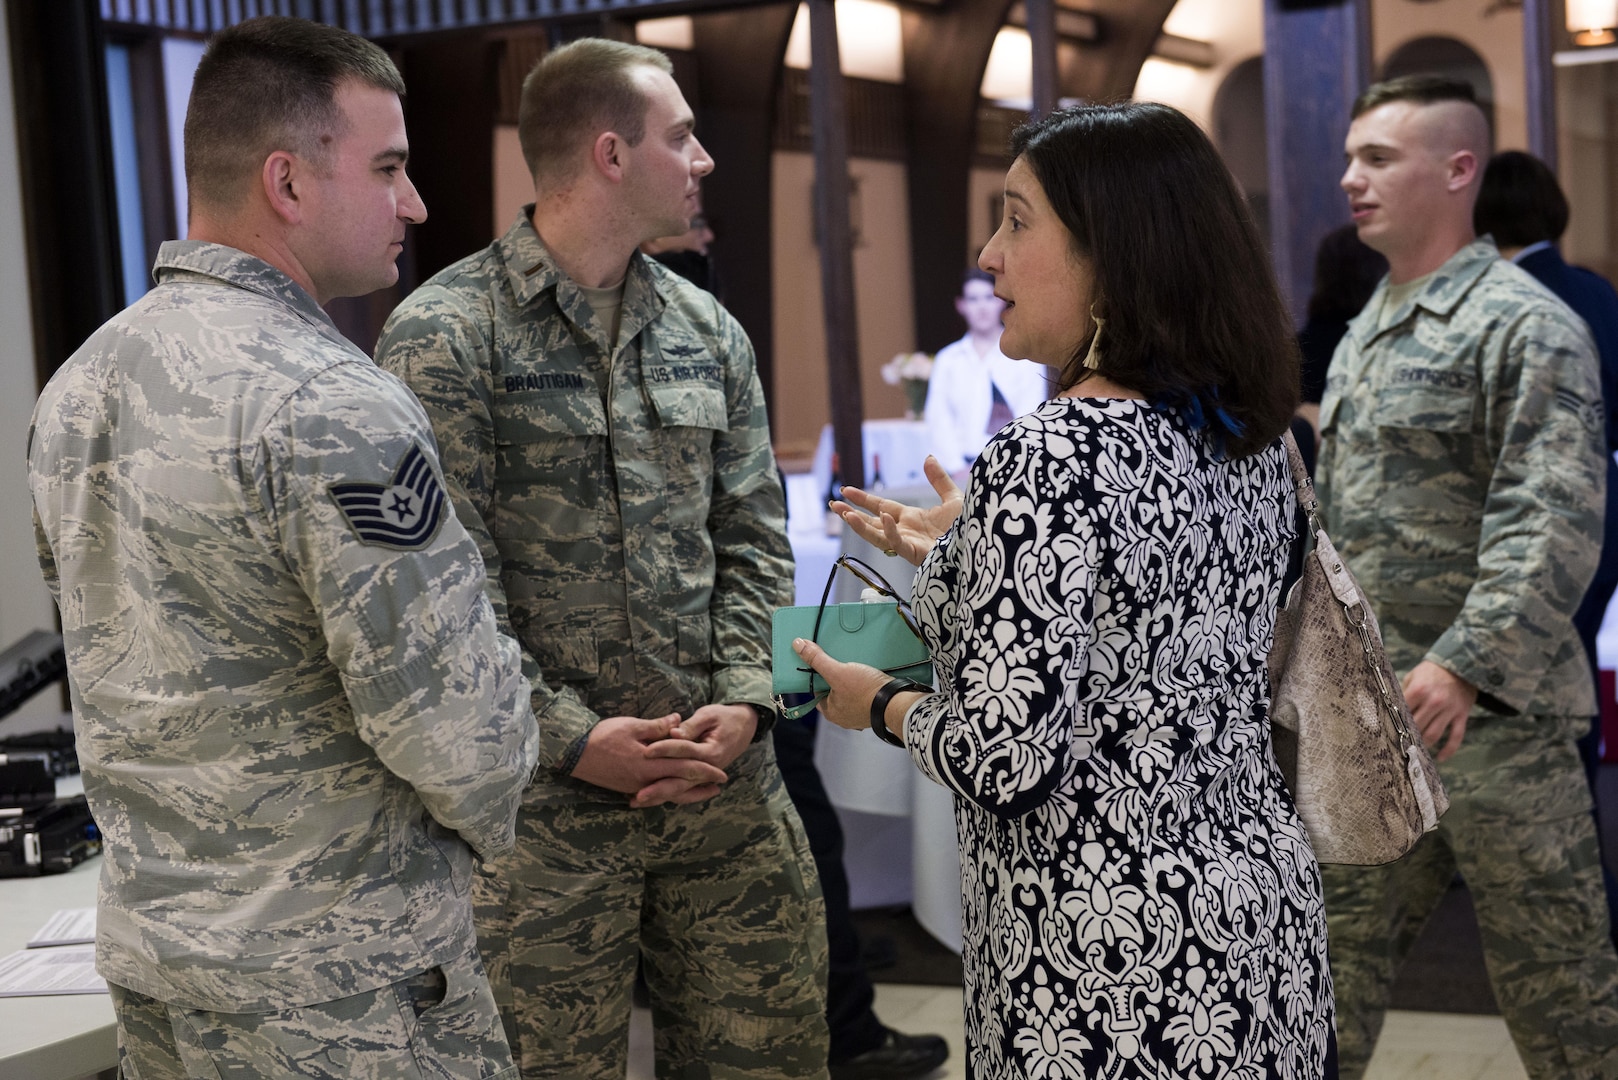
x,y
386,18
520,53
875,115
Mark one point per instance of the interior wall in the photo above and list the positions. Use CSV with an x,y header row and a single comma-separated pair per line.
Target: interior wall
x,y
1587,110
513,185
1235,29
24,602
882,296
1491,29
983,192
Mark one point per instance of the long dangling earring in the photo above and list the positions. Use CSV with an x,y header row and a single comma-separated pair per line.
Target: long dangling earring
x,y
1092,359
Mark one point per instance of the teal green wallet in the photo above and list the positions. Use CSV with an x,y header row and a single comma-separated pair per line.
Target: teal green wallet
x,y
881,634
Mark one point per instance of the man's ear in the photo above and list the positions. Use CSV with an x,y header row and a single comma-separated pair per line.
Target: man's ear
x,y
1463,170
607,155
280,177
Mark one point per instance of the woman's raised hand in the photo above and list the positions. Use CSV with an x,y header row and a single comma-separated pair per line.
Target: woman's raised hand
x,y
897,529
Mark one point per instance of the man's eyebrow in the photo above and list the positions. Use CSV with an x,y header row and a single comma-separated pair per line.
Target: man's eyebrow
x,y
685,123
1374,148
393,153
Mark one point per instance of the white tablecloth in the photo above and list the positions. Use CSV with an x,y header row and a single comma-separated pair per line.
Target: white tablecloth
x,y
902,445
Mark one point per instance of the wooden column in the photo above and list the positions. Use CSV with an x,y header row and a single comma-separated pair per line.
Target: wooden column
x,y
450,111
945,54
738,60
1317,59
1042,36
64,149
1539,79
828,119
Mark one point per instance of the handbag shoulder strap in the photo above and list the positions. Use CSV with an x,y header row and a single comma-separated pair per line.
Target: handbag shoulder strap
x,y
1301,483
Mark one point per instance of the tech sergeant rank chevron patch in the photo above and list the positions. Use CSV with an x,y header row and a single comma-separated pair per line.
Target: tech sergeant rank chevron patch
x,y
405,514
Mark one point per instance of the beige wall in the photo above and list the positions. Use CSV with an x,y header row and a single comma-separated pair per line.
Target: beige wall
x,y
1587,107
982,188
1492,31
513,186
1235,29
882,296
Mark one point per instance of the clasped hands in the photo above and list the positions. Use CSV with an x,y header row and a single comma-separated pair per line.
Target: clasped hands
x,y
666,759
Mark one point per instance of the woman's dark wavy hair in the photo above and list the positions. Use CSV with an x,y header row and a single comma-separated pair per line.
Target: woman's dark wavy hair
x,y
1194,320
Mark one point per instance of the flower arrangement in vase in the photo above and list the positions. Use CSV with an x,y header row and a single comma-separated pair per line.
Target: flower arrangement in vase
x,y
910,371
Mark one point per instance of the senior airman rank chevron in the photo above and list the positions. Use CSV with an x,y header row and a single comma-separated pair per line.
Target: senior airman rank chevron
x,y
405,514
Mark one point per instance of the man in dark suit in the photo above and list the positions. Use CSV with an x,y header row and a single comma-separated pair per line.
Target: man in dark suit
x,y
1522,206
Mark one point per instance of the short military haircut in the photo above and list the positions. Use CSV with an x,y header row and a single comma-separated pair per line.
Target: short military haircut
x,y
271,84
577,92
1417,89
1520,202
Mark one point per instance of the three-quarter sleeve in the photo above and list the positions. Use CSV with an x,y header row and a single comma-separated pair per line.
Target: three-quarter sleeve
x,y
1018,601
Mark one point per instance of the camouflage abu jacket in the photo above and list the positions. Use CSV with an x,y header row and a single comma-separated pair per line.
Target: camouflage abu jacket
x,y
288,688
626,501
1462,472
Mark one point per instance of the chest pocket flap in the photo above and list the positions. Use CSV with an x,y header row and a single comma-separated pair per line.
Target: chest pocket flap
x,y
690,407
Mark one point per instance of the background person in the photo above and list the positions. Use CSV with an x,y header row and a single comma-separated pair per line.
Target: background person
x,y
1139,897
1522,206
687,254
1461,471
975,389
294,712
1346,274
604,439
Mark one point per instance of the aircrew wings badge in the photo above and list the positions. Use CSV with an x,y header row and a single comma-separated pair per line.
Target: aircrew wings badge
x,y
405,514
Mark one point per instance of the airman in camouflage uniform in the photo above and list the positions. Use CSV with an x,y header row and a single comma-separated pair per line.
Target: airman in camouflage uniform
x,y
295,713
1462,473
617,474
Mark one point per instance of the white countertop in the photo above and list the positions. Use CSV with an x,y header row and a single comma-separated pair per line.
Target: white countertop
x,y
52,1038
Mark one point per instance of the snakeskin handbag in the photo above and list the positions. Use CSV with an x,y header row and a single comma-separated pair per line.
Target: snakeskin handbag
x,y
1365,786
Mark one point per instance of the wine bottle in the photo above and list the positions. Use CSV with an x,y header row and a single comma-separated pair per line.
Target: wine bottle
x,y
834,491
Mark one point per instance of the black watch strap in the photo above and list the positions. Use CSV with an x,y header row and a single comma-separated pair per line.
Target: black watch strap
x,y
879,707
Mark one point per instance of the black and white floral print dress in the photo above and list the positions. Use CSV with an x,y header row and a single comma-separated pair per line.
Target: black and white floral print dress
x,y
1139,897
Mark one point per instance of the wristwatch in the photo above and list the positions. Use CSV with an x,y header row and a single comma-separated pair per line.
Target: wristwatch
x,y
879,707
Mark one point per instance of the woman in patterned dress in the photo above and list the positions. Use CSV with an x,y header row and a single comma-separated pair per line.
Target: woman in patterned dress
x,y
1139,897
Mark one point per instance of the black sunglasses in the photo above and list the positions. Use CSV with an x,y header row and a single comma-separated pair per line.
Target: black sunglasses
x,y
872,580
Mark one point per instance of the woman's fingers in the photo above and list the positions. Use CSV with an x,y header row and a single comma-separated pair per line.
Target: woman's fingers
x,y
894,543
871,504
856,497
940,479
867,528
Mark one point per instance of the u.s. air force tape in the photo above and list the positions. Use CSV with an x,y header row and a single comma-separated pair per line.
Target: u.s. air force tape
x,y
405,514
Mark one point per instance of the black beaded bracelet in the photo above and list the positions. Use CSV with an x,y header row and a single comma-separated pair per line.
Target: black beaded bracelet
x,y
879,707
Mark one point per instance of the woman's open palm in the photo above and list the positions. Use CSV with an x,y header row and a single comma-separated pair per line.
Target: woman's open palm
x,y
898,529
